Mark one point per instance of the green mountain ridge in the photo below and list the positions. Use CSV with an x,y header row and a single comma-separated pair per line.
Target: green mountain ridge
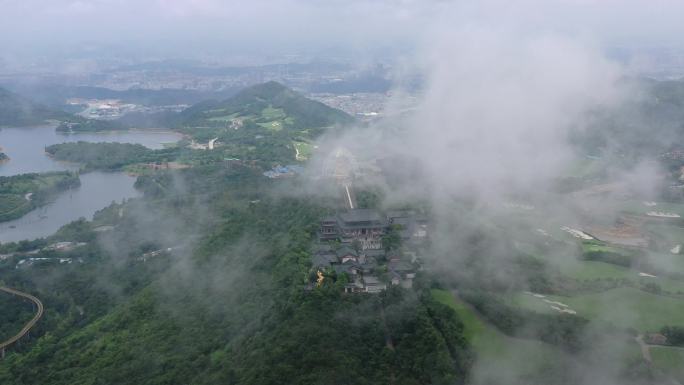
x,y
253,101
268,105
55,95
264,123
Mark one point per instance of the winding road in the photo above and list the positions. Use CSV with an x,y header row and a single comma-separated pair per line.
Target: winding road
x,y
29,325
646,353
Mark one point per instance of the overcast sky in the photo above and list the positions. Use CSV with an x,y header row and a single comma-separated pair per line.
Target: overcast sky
x,y
225,27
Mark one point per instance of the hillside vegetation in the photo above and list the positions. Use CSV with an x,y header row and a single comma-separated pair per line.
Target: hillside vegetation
x,y
20,194
226,305
108,156
266,124
266,103
17,111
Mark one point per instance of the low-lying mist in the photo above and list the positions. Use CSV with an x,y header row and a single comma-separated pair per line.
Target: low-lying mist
x,y
490,150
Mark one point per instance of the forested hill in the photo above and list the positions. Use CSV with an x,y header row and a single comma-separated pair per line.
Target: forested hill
x,y
265,103
166,296
55,95
17,111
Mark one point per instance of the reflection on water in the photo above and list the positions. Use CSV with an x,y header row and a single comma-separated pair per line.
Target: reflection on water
x,y
26,146
98,189
26,149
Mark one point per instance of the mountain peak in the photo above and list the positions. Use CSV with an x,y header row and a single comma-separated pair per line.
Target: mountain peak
x,y
268,90
267,103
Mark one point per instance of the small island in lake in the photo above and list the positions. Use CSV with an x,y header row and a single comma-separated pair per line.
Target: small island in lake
x,y
109,156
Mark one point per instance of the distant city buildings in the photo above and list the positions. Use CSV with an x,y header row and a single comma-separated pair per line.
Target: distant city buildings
x,y
109,109
366,107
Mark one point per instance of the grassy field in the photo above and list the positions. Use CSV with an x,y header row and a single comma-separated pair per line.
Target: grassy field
x,y
628,308
275,125
595,246
665,231
588,270
273,119
517,358
669,286
475,331
269,118
529,302
270,113
670,360
304,150
667,261
591,270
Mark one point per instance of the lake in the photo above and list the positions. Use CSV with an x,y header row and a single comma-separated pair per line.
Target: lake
x,y
26,146
26,149
98,190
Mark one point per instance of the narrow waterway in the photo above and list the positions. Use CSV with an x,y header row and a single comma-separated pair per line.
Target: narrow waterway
x,y
26,149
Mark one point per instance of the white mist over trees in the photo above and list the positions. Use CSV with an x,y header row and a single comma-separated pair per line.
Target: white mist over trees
x,y
496,111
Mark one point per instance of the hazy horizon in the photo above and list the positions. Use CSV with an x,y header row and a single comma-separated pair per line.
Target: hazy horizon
x,y
88,34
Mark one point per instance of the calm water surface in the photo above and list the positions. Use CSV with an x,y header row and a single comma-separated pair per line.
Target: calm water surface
x,y
26,146
26,149
98,190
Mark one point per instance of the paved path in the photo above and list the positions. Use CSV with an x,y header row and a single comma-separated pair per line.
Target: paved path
x,y
646,353
645,349
389,343
29,325
350,200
